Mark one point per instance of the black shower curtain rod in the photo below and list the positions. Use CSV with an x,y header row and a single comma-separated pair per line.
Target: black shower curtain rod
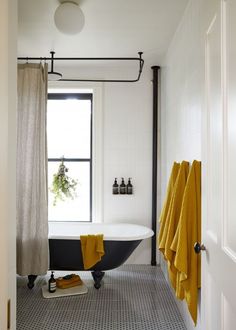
x,y
52,59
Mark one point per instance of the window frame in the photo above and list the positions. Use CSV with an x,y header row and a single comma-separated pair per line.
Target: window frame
x,y
79,96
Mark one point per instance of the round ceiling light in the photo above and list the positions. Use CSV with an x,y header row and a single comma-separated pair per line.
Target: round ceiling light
x,y
69,18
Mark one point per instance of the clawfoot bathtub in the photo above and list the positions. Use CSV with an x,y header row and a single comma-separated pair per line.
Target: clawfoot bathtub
x,y
120,240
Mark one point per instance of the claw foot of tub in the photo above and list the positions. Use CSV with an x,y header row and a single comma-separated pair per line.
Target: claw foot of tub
x,y
31,279
97,277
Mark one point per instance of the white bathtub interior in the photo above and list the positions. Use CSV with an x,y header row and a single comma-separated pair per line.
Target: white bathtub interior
x,y
111,231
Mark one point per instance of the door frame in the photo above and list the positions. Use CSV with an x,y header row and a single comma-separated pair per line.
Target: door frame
x,y
8,91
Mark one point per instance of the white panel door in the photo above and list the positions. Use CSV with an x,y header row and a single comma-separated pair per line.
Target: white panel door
x,y
218,303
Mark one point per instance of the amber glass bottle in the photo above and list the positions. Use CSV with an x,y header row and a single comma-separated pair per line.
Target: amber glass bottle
x,y
129,187
52,286
115,187
122,187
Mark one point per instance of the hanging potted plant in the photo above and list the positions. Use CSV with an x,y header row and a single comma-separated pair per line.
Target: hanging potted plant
x,y
63,186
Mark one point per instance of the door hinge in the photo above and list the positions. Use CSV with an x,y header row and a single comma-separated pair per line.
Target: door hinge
x,y
9,314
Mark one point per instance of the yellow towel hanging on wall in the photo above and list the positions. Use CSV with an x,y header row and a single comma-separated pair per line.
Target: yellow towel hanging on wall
x,y
166,205
187,262
173,219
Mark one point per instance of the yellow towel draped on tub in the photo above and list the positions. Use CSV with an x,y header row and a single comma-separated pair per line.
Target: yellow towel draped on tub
x,y
166,206
92,248
187,262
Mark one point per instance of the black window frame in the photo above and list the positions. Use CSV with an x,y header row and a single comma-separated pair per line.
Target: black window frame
x,y
78,96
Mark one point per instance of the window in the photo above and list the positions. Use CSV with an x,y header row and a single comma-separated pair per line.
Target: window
x,y
69,129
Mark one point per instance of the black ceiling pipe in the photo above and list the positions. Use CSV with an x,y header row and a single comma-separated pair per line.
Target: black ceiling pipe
x,y
154,163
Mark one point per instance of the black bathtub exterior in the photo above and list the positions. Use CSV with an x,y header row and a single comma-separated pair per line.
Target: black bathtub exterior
x,y
65,254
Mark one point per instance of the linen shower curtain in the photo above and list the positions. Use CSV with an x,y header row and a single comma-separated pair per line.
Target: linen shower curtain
x,y
32,205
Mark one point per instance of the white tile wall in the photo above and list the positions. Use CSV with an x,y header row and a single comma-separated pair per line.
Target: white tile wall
x,y
127,148
182,83
128,153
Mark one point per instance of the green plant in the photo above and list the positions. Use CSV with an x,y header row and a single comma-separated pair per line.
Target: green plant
x,y
63,186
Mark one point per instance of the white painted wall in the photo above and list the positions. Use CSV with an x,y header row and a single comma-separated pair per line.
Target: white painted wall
x,y
127,145
8,21
128,153
182,83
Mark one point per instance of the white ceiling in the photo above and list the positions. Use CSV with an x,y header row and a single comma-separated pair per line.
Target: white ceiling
x,y
113,28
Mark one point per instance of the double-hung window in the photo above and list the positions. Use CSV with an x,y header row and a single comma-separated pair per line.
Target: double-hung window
x,y
69,130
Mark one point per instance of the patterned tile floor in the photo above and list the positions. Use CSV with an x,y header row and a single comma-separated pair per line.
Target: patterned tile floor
x,y
132,297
